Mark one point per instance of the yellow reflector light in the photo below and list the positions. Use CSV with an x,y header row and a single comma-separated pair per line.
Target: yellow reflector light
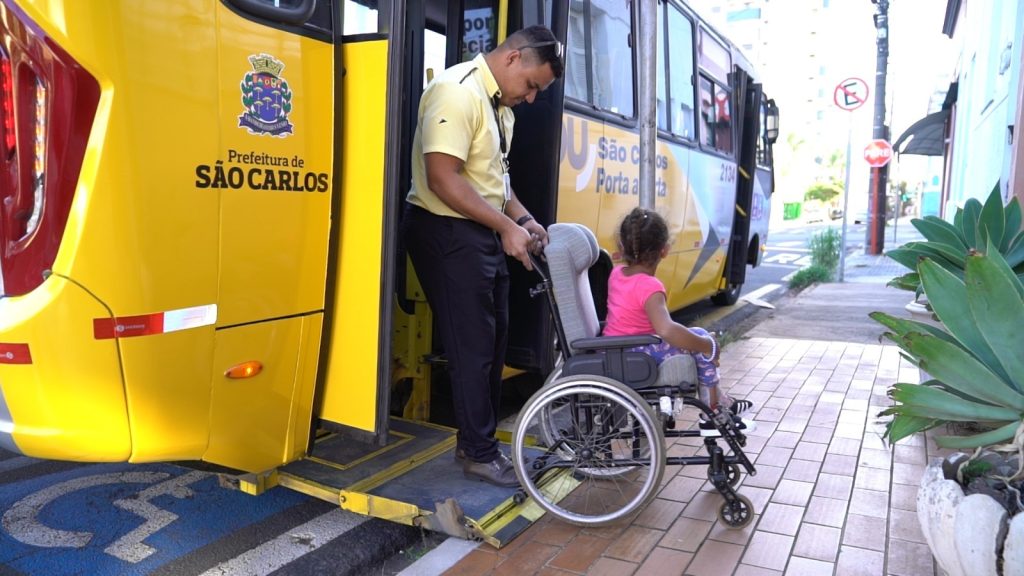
x,y
245,369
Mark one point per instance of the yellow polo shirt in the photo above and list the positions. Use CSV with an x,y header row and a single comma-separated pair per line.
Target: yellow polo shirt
x,y
456,117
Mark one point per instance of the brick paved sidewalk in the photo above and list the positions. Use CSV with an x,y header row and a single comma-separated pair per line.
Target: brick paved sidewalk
x,y
831,497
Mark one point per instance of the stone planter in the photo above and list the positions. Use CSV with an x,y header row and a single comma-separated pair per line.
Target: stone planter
x,y
965,532
918,311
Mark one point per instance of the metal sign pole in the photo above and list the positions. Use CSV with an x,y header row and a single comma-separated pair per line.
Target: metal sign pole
x,y
846,199
849,95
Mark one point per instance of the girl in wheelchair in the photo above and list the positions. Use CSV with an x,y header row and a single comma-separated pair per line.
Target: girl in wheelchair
x,y
637,305
590,445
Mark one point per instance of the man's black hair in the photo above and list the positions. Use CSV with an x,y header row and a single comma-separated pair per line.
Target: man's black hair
x,y
542,43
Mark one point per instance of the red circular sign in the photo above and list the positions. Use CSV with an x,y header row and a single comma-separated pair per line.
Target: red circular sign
x,y
878,153
851,94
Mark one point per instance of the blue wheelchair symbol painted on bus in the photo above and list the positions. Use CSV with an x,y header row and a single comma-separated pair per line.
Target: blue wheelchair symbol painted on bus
x,y
122,519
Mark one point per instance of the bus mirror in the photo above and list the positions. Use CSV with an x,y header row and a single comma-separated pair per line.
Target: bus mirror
x,y
771,122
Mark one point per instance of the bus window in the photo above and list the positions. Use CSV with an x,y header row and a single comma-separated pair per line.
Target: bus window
x,y
707,113
577,82
433,54
480,28
714,57
715,116
599,67
537,12
680,34
360,17
723,120
763,154
663,62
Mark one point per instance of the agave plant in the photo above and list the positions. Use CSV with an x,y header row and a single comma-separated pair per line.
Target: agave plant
x,y
976,363
974,227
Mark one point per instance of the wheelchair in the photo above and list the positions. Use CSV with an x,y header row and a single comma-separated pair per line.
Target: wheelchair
x,y
589,445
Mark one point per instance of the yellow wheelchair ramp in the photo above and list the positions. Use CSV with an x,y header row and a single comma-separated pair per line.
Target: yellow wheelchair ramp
x,y
413,480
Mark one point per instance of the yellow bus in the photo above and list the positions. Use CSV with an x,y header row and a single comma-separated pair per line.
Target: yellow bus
x,y
199,206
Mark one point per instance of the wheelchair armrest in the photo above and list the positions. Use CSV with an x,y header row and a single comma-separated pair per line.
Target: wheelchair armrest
x,y
614,342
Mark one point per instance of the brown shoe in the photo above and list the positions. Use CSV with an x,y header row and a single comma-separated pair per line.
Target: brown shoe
x,y
499,471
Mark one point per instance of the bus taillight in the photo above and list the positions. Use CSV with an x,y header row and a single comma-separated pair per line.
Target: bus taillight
x,y
48,105
7,104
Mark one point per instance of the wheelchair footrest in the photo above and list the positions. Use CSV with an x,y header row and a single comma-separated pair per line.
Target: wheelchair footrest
x,y
708,428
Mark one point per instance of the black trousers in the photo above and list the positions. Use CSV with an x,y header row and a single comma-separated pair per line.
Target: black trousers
x,y
461,266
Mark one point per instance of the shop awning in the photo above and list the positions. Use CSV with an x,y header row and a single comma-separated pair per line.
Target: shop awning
x,y
925,137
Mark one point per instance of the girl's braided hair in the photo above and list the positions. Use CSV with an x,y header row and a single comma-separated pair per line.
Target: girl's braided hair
x,y
642,234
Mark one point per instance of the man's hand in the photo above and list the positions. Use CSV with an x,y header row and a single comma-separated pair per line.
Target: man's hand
x,y
538,235
518,242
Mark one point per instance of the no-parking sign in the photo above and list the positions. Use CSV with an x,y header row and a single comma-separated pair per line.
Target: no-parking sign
x,y
851,94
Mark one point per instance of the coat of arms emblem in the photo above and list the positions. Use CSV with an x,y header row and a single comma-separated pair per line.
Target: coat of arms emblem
x,y
266,97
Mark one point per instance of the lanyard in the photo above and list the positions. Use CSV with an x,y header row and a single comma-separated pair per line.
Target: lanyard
x,y
501,135
504,154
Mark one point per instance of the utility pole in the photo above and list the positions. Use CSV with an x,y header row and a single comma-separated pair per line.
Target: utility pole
x,y
648,100
875,235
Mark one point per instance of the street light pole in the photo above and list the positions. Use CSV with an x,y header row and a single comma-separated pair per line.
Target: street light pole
x,y
875,240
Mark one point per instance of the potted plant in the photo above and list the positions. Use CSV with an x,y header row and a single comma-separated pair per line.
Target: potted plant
x,y
947,244
968,505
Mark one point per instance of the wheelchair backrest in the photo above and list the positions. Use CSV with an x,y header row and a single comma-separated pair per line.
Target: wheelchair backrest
x,y
571,251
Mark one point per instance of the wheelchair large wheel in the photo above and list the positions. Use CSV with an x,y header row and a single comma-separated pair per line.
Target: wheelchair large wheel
x,y
555,424
607,457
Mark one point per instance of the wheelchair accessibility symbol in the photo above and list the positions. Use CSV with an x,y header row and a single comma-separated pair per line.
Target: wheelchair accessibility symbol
x,y
21,520
125,519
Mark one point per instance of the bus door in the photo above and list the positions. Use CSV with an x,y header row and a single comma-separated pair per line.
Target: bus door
x,y
375,452
748,106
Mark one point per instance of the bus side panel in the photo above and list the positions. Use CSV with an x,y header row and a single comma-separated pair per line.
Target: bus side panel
x,y
713,187
253,419
64,394
349,395
678,208
168,393
580,167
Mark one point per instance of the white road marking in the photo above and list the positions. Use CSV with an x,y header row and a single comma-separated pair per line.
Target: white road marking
x,y
762,291
286,548
21,523
789,258
441,558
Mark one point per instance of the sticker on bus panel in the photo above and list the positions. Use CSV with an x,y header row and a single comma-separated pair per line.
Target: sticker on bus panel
x,y
15,354
158,323
266,97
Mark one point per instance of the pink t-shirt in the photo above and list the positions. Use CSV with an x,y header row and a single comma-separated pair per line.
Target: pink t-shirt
x,y
626,297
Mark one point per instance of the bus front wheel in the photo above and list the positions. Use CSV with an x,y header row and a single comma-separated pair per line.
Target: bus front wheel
x,y
729,296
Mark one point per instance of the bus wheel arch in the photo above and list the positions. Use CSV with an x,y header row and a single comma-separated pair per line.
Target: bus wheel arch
x,y
754,251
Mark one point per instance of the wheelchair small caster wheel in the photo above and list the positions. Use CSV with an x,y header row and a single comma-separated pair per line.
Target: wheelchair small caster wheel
x,y
519,497
732,474
737,514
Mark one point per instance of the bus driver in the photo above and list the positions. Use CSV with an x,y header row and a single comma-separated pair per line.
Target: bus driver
x,y
462,218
